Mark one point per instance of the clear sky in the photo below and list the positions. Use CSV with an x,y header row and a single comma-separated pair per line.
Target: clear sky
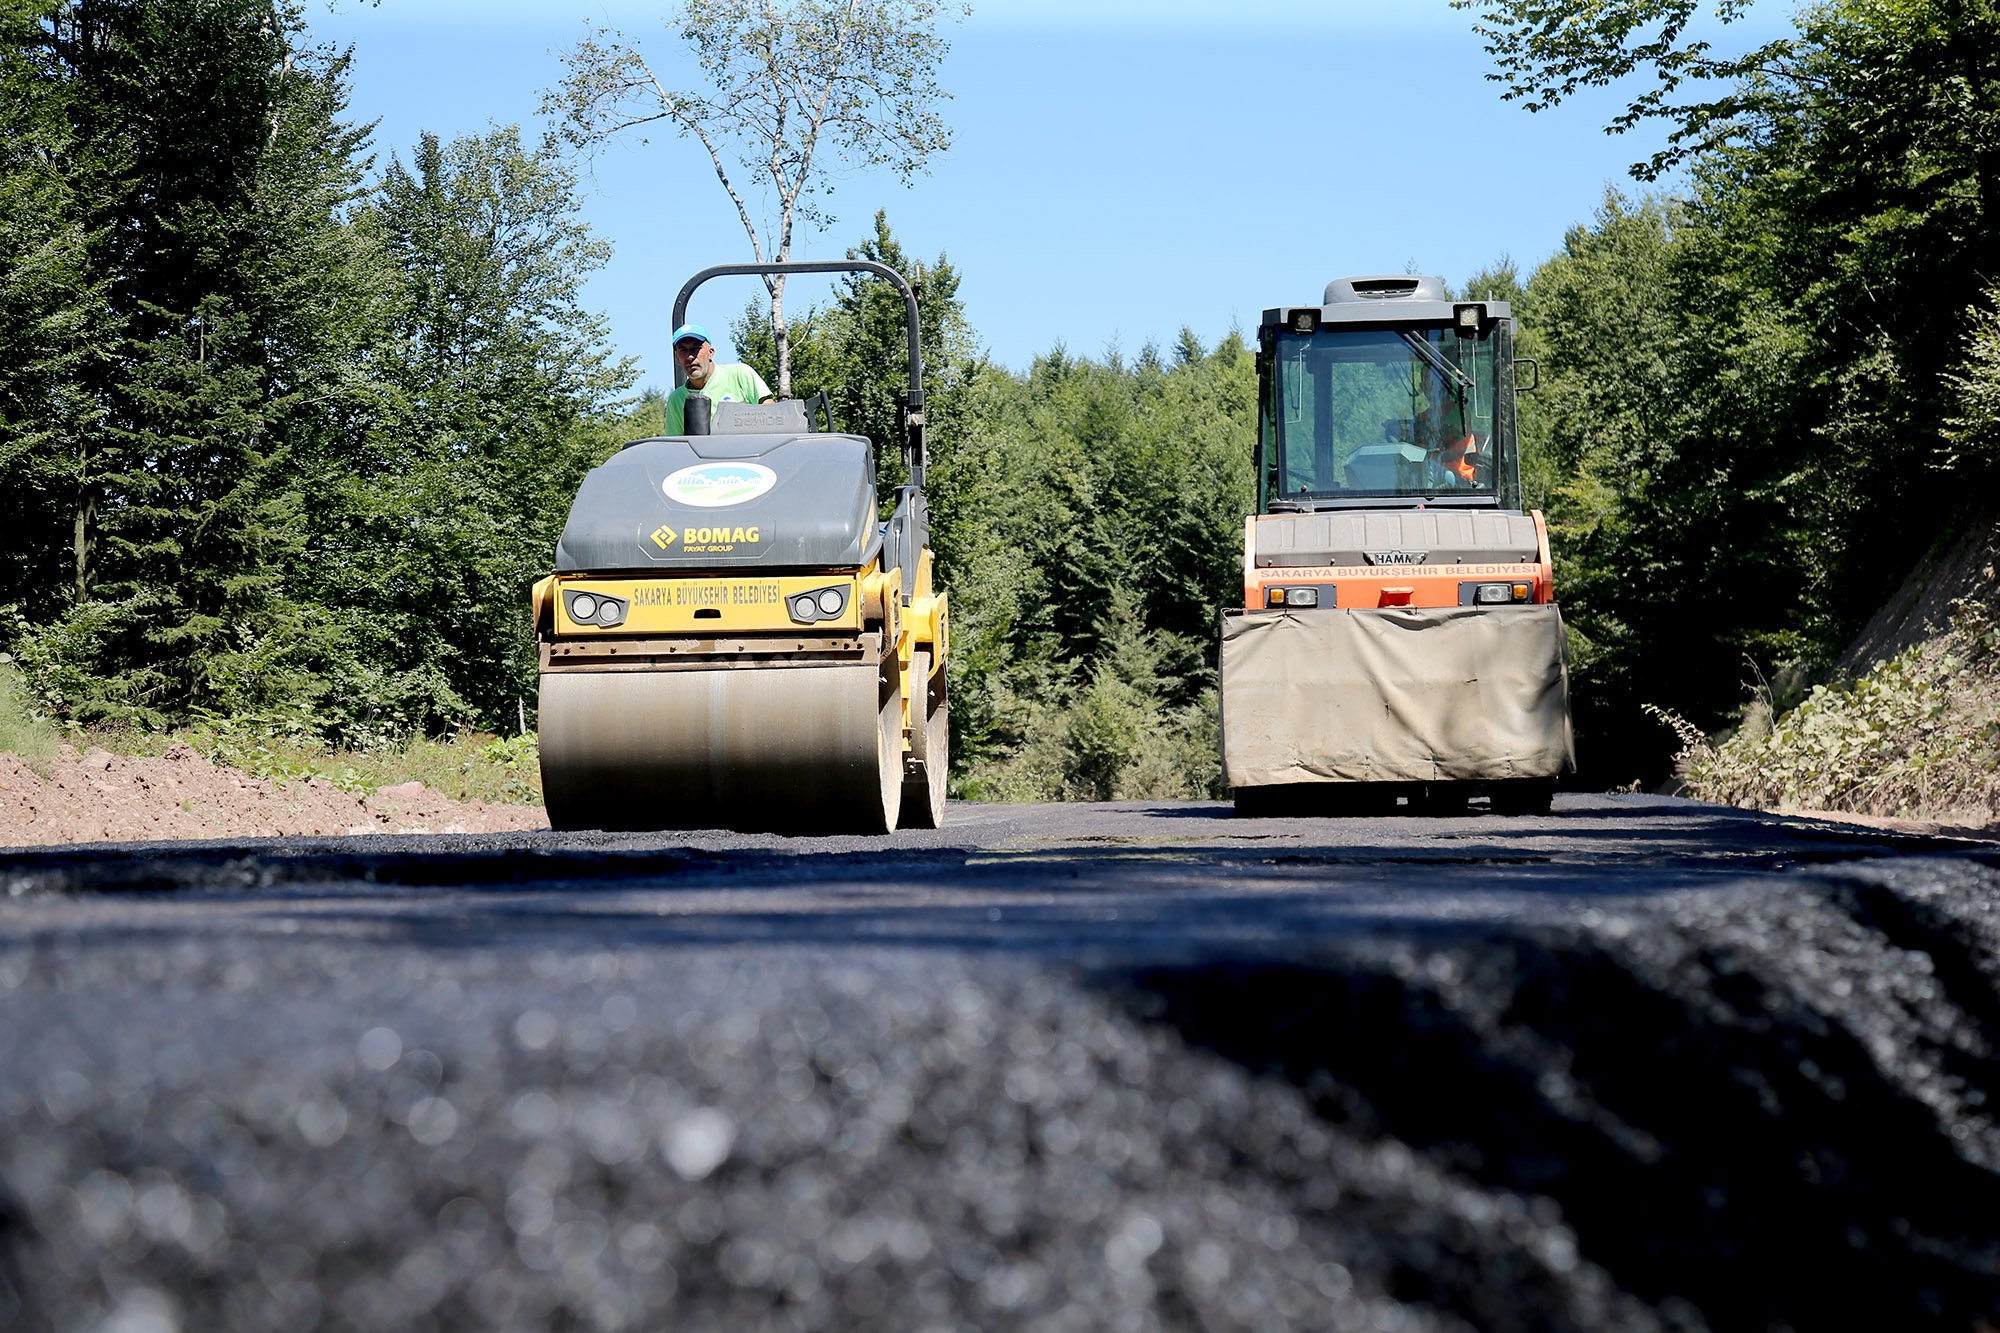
x,y
1119,168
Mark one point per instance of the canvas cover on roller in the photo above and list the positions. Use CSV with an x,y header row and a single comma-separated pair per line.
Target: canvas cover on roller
x,y
1405,694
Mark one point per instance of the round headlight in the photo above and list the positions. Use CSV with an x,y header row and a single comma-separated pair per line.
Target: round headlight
x,y
610,613
583,606
803,608
830,600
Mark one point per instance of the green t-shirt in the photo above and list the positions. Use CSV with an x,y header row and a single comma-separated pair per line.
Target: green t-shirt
x,y
727,384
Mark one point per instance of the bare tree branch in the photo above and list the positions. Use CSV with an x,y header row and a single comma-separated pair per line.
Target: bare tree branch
x,y
786,80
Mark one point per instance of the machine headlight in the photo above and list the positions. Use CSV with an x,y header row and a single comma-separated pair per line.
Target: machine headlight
x,y
1496,594
1296,596
596,608
819,604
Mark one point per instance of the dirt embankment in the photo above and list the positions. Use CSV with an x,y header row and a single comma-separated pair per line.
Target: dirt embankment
x,y
97,796
1921,607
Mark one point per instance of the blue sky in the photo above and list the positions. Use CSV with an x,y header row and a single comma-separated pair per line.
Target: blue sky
x,y
1119,168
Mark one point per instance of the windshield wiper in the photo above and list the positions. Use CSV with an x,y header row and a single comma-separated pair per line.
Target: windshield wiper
x,y
1459,379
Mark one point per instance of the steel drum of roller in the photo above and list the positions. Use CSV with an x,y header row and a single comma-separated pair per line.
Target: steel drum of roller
x,y
793,749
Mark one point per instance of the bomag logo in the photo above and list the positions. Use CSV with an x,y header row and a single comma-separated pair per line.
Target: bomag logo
x,y
1396,557
700,540
716,485
709,536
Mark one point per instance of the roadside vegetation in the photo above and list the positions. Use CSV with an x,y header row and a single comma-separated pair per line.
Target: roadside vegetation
x,y
1917,736
465,766
292,419
23,730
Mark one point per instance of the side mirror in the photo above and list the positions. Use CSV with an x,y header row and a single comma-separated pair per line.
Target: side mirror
x,y
1532,384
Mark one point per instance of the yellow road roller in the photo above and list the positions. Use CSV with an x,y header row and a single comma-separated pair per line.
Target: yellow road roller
x,y
734,638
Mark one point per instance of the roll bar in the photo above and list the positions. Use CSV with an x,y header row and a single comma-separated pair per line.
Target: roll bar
x,y
913,400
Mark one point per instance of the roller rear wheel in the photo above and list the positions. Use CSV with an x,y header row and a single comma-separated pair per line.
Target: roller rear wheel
x,y
929,761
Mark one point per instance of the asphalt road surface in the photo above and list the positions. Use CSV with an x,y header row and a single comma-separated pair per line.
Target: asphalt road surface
x,y
1640,1064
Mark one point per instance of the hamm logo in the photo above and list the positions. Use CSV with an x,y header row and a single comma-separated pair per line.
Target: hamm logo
x,y
713,485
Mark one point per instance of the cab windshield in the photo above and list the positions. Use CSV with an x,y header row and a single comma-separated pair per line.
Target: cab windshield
x,y
1384,412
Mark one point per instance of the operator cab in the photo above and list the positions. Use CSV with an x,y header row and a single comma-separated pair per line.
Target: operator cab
x,y
1390,395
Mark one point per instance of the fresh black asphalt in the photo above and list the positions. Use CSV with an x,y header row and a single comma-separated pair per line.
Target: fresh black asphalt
x,y
1640,1064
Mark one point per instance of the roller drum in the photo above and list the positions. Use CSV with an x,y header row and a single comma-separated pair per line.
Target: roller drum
x,y
792,749
925,768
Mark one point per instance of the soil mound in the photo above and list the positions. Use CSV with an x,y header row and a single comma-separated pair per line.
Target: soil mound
x,y
97,796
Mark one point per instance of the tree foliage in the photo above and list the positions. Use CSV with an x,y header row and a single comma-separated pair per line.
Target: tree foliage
x,y
291,435
1744,429
284,441
490,379
1099,510
1547,51
185,162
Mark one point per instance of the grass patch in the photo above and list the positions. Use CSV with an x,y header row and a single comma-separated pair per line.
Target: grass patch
x,y
23,731
1916,737
471,766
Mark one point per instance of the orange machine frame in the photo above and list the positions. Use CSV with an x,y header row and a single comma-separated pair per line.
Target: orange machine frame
x,y
1365,587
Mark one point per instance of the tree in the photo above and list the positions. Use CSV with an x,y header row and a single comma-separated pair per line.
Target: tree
x,y
184,304
1747,387
53,337
435,518
784,79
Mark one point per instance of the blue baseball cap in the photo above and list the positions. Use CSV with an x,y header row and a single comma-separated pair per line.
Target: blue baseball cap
x,y
691,331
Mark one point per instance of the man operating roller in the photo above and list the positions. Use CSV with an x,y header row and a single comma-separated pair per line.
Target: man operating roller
x,y
695,355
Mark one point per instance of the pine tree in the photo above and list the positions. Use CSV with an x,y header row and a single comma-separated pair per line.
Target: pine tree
x,y
200,164
429,535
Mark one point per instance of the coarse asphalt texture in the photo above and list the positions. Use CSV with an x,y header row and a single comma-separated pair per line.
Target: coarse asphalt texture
x,y
1639,1064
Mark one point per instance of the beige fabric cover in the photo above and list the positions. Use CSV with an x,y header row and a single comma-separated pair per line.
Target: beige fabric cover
x,y
1394,695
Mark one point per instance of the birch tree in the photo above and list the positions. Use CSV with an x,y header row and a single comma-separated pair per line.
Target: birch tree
x,y
791,91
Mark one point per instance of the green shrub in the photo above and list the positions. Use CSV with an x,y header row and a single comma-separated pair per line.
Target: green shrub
x,y
1119,735
23,730
1918,736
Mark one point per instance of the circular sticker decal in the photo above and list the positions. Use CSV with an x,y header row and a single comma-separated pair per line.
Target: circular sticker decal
x,y
713,485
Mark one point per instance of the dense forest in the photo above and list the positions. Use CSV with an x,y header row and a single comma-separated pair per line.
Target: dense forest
x,y
292,419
